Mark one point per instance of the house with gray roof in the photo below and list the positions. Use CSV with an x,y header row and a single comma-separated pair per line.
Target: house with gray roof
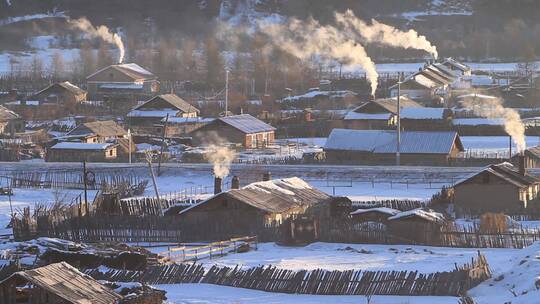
x,y
345,146
243,129
122,80
149,117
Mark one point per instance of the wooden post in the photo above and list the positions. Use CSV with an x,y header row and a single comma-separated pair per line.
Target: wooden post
x,y
162,144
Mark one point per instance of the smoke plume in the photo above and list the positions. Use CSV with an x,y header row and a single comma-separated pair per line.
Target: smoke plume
x,y
304,39
493,108
221,157
383,33
101,31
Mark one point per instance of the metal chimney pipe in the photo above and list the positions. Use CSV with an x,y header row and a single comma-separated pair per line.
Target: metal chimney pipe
x,y
235,182
217,185
267,176
521,159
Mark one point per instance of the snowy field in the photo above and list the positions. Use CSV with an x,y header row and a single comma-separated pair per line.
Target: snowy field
x,y
342,257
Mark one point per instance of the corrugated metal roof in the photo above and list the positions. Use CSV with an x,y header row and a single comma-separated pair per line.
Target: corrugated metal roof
x,y
80,146
384,141
174,100
423,113
247,123
274,196
506,172
104,128
68,283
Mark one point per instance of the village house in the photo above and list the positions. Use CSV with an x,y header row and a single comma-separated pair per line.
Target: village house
x,y
379,147
457,67
377,114
497,188
10,122
183,126
128,80
250,208
532,157
98,132
77,152
58,283
60,93
427,85
149,117
242,129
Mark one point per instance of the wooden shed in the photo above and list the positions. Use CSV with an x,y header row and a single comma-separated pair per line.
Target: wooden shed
x,y
58,283
378,214
10,122
241,129
78,152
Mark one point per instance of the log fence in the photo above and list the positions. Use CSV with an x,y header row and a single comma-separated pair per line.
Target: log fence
x,y
314,282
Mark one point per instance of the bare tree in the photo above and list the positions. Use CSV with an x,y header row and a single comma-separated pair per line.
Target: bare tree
x,y
56,69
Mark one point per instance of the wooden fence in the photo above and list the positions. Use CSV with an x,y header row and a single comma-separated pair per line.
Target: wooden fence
x,y
314,282
185,253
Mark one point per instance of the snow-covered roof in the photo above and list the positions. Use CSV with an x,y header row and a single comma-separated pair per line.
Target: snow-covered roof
x,y
181,120
422,113
153,113
428,215
132,70
247,123
384,210
458,65
173,101
277,195
361,116
312,93
384,141
475,95
478,121
125,86
507,172
6,114
81,146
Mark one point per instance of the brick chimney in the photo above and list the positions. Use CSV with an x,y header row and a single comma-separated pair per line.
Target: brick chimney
x,y
217,185
235,182
267,176
521,160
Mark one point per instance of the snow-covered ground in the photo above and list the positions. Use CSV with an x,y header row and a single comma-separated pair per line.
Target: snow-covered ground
x,y
341,257
205,293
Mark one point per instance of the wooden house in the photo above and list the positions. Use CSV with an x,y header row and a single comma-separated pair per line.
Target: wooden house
x,y
427,84
122,80
61,93
78,152
241,129
98,132
497,188
345,146
417,225
10,122
149,117
58,283
377,114
423,119
532,157
265,202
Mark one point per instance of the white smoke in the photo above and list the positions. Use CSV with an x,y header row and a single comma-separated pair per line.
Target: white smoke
x,y
101,31
493,108
304,39
383,33
221,157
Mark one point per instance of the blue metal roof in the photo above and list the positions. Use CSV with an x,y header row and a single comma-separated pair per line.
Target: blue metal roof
x,y
247,123
384,141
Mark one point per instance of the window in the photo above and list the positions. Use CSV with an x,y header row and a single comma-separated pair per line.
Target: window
x,y
111,153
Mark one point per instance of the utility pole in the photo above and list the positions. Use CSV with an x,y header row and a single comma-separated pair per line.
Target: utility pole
x,y
129,145
398,141
162,144
226,92
85,180
149,161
